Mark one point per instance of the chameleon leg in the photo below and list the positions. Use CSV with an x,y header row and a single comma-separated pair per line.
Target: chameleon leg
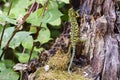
x,y
73,54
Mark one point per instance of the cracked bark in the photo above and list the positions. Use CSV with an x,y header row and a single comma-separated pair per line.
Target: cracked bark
x,y
103,40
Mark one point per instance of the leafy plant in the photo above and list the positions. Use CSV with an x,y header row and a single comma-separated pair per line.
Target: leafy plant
x,y
18,21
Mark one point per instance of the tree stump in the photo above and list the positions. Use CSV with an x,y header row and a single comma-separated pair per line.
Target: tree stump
x,y
100,24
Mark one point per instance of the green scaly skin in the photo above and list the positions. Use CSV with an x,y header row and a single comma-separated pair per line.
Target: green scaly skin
x,y
74,34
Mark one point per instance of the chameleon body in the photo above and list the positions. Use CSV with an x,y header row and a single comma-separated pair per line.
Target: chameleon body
x,y
74,34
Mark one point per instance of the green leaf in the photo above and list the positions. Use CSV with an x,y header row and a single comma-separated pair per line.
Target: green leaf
x,y
8,74
18,38
18,8
34,55
44,35
65,1
1,27
9,63
23,58
51,15
33,29
56,22
52,4
2,66
41,1
35,18
38,49
4,18
28,42
7,34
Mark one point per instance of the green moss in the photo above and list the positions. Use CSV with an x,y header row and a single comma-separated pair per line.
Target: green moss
x,y
58,69
59,61
41,74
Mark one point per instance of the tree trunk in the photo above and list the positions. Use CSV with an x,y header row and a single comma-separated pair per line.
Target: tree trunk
x,y
102,44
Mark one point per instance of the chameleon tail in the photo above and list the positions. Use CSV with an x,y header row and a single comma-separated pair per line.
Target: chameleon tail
x,y
73,54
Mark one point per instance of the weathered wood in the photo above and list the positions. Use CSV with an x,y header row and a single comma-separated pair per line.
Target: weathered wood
x,y
102,45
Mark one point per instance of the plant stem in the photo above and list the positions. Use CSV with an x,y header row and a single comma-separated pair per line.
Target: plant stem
x,y
11,2
7,45
17,28
5,23
38,29
31,52
21,74
2,54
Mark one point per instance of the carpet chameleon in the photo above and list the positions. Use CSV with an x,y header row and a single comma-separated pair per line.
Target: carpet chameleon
x,y
74,33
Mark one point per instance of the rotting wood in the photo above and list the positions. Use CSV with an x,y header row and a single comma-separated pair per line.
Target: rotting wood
x,y
104,44
102,47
